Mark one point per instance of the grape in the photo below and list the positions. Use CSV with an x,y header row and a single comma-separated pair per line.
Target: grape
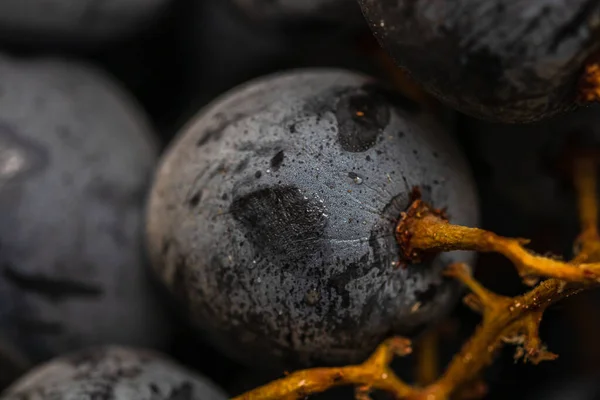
x,y
504,61
76,155
272,217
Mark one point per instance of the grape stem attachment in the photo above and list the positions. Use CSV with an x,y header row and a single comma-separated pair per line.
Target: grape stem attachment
x,y
423,231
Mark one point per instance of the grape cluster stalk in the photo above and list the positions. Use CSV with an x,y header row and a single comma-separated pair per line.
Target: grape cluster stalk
x,y
423,231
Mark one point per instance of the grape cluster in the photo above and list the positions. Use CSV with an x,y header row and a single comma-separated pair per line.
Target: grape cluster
x,y
217,184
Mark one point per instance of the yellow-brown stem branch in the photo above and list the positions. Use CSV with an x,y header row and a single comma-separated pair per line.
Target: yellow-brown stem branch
x,y
373,373
478,352
428,358
588,243
424,231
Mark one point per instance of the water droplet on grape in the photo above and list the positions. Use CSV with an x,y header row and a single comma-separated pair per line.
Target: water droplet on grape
x,y
357,179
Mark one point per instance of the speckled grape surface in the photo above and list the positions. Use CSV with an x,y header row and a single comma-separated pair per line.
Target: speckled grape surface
x,y
112,373
79,21
509,61
272,217
76,155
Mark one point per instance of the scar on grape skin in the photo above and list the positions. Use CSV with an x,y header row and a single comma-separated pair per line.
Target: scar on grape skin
x,y
364,113
361,119
277,217
277,160
54,289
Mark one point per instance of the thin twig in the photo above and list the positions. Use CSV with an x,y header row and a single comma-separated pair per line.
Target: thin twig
x,y
373,373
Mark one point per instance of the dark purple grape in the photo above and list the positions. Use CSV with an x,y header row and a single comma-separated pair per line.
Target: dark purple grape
x,y
499,60
272,217
76,155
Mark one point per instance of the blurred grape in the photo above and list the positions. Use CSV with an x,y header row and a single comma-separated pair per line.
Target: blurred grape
x,y
76,155
112,372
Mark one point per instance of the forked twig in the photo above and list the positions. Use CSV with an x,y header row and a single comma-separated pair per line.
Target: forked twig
x,y
373,373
